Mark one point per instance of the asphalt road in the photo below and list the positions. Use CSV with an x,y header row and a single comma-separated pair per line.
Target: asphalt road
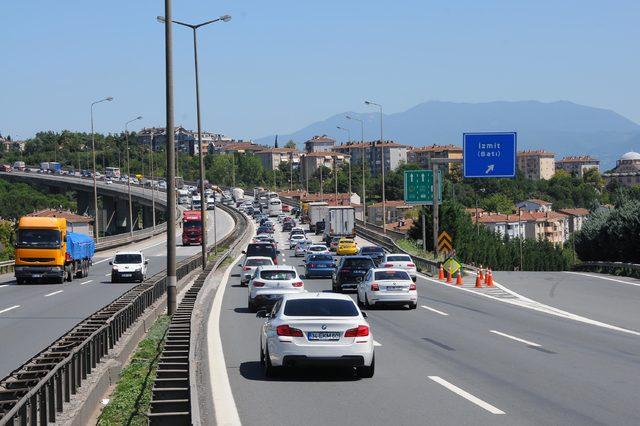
x,y
435,360
33,316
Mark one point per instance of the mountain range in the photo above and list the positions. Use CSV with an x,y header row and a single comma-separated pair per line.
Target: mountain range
x,y
562,127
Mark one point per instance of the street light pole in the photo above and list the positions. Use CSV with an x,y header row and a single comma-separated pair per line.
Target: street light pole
x,y
126,135
95,183
384,206
203,208
364,195
153,188
348,142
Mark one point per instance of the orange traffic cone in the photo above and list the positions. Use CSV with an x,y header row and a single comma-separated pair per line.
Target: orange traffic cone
x,y
441,273
449,277
478,281
459,279
481,273
489,279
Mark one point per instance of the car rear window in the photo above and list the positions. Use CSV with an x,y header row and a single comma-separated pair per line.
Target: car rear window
x,y
358,263
392,275
277,275
372,250
320,308
317,248
127,258
398,259
346,241
259,262
321,257
266,250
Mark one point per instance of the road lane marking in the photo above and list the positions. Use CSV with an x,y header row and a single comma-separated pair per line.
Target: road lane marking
x,y
466,395
100,261
11,308
435,310
602,278
517,339
376,343
86,282
3,285
106,275
54,293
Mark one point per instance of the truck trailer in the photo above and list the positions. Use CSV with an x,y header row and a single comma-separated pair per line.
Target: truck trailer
x,y
339,221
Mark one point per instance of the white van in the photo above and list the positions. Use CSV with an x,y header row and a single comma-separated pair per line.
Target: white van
x,y
275,207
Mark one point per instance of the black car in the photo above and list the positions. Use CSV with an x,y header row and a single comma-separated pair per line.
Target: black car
x,y
264,230
264,220
350,271
262,250
288,225
320,227
374,252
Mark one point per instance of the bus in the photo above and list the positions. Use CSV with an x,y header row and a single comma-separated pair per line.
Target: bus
x,y
275,207
112,172
271,195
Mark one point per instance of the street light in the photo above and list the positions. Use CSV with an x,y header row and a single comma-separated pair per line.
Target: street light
x,y
194,27
126,135
364,195
95,183
348,142
384,206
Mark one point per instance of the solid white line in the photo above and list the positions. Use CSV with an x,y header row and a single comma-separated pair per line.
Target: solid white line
x,y
103,260
435,310
9,309
602,278
517,339
466,395
376,343
223,402
106,275
86,282
3,285
55,292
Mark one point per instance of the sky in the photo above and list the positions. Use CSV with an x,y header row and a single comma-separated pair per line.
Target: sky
x,y
280,65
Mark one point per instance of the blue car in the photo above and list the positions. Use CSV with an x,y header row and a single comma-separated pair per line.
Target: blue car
x,y
319,265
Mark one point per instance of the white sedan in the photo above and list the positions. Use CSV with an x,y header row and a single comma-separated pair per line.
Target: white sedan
x,y
383,286
316,249
316,329
400,261
250,265
295,239
269,283
301,248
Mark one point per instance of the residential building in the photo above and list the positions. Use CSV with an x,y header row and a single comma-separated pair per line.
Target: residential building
x,y
548,225
536,165
627,170
185,140
311,161
342,197
509,225
424,154
75,222
7,144
242,148
394,154
396,210
534,205
319,143
272,158
578,164
576,217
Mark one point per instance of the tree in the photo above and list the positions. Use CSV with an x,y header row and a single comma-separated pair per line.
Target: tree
x,y
291,144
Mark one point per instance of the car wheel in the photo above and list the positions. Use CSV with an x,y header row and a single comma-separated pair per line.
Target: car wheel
x,y
365,372
269,370
367,305
251,306
20,281
358,299
413,306
60,280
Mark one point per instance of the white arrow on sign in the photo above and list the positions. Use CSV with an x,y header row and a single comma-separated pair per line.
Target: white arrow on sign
x,y
490,168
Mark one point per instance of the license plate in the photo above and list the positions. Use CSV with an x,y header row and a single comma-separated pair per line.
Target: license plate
x,y
324,335
358,279
37,275
393,288
126,275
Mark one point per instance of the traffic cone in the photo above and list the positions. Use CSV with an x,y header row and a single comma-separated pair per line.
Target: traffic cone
x,y
478,281
449,277
481,273
489,279
459,279
441,273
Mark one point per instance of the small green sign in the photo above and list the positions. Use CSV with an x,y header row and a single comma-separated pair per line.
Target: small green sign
x,y
418,187
451,265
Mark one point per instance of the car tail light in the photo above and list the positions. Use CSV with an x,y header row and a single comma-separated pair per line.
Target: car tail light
x,y
245,268
375,287
285,330
312,265
388,265
258,284
411,265
360,331
412,286
67,257
275,260
297,284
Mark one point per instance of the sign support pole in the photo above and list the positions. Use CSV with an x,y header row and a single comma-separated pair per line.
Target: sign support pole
x,y
435,209
424,229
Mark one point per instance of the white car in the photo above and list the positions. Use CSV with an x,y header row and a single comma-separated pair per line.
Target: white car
x,y
315,249
400,261
250,265
316,329
108,182
295,239
281,217
387,286
128,266
301,248
269,283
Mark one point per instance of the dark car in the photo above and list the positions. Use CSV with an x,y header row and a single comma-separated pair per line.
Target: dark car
x,y
320,227
264,230
350,271
265,220
374,252
288,225
319,265
262,250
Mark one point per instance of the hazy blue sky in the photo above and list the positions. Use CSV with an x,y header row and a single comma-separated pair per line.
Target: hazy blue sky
x,y
280,65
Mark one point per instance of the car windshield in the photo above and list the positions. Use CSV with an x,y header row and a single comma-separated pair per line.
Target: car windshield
x,y
372,250
320,308
336,239
321,258
317,248
398,259
277,275
392,275
265,250
45,238
193,224
358,263
121,259
258,262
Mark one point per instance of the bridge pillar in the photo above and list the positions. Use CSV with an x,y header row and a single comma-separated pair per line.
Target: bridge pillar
x,y
121,217
147,217
85,203
109,217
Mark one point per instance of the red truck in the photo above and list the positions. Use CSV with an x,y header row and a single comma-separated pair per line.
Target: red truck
x,y
191,227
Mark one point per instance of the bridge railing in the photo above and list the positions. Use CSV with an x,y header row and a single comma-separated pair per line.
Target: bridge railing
x,y
615,268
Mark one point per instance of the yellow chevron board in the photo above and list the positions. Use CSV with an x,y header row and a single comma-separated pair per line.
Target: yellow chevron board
x,y
444,242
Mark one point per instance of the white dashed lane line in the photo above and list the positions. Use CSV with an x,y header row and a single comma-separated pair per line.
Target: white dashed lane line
x,y
434,310
11,308
376,343
3,285
54,293
466,395
517,339
86,282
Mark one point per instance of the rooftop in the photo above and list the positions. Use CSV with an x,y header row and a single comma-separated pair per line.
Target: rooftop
x,y
575,211
279,151
392,203
386,144
536,153
538,201
524,217
323,138
578,159
435,148
64,214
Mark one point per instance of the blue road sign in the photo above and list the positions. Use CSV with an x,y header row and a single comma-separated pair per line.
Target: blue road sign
x,y
489,155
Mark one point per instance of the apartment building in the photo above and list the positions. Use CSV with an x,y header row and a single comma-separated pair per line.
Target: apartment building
x,y
319,144
509,225
395,154
272,158
534,205
627,170
535,225
536,165
576,218
424,155
185,140
578,164
311,161
242,148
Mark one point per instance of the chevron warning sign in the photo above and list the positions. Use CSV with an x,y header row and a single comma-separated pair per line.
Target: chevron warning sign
x,y
444,242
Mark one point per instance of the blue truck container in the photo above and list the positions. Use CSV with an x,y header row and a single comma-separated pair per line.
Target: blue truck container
x,y
80,246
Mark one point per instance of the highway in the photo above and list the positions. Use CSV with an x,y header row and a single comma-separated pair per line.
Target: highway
x,y
33,316
460,358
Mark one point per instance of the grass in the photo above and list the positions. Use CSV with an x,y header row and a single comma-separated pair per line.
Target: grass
x,y
130,401
412,247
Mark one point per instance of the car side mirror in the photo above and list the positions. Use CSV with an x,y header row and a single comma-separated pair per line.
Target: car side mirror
x,y
364,315
262,313
414,279
110,263
146,262
244,252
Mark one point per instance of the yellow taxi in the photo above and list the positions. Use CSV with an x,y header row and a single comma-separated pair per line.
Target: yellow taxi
x,y
347,246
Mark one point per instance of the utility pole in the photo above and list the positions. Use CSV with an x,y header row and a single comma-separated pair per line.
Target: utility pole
x,y
384,202
126,135
436,224
364,196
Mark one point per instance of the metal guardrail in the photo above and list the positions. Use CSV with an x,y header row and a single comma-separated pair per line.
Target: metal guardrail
x,y
622,268
6,266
